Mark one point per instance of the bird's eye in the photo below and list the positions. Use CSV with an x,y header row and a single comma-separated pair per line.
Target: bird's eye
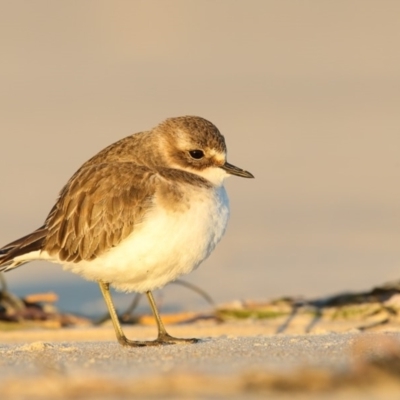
x,y
196,154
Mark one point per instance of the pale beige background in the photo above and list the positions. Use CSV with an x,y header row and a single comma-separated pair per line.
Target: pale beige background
x,y
307,94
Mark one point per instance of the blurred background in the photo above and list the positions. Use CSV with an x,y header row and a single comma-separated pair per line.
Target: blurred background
x,y
306,93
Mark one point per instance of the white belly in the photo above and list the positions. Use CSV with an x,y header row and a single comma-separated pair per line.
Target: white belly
x,y
164,246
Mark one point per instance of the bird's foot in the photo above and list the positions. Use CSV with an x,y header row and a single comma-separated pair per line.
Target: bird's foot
x,y
136,343
165,338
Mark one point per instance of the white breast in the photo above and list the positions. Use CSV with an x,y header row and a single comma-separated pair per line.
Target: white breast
x,y
164,246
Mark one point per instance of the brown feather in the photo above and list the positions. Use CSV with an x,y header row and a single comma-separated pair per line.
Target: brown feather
x,y
32,242
97,219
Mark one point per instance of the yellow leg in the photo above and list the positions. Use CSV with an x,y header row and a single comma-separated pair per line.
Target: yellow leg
x,y
122,339
163,336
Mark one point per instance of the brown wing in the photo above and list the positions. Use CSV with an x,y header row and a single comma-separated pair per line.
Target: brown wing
x,y
97,209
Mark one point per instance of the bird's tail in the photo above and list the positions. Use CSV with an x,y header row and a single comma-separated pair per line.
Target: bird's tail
x,y
22,250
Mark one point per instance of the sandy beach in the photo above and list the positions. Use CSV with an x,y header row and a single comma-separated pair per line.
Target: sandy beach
x,y
234,359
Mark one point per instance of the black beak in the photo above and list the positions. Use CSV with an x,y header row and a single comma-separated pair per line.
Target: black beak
x,y
231,169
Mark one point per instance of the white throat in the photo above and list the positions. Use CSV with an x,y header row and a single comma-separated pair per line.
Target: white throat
x,y
214,175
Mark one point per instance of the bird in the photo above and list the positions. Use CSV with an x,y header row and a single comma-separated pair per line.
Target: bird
x,y
139,214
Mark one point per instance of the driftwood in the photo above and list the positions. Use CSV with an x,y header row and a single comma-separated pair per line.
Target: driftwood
x,y
34,310
362,311
359,310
